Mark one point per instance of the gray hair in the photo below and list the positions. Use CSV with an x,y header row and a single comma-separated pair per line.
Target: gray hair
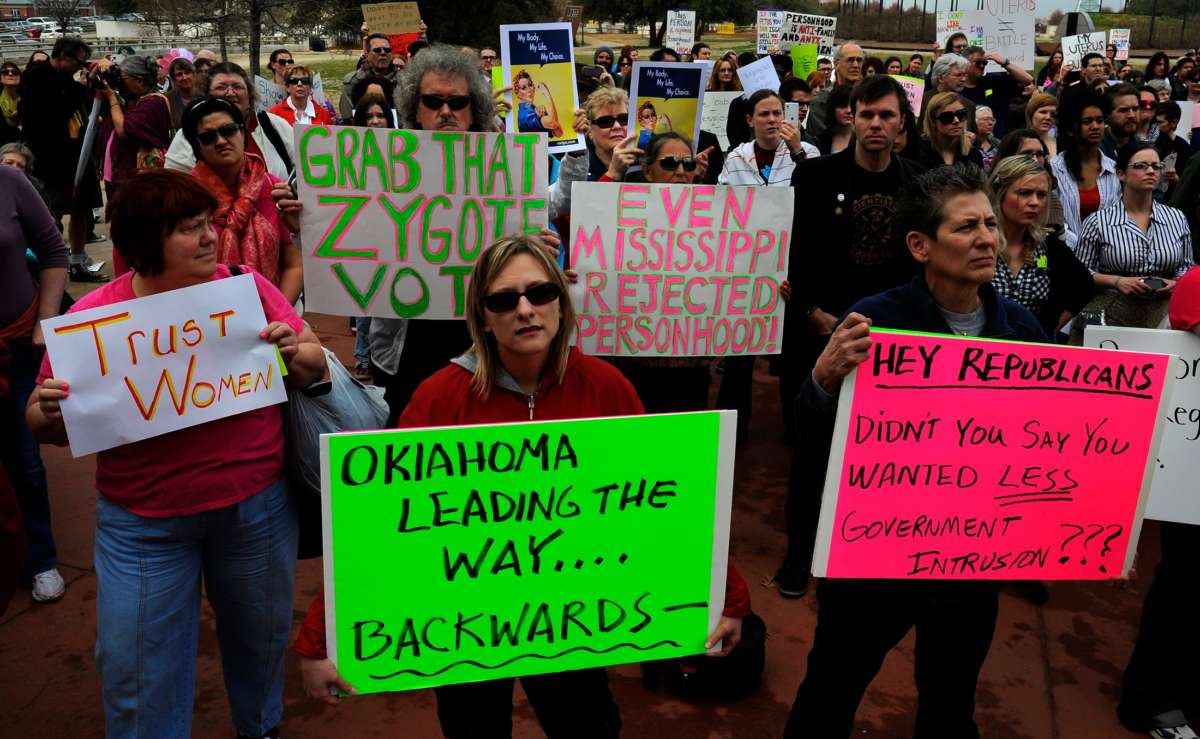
x,y
450,61
944,64
983,109
837,51
1158,84
20,149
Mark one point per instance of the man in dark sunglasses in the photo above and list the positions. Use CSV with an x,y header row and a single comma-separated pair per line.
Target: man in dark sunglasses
x,y
996,90
377,62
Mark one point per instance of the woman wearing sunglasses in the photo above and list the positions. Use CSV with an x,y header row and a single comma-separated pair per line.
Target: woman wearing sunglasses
x,y
299,107
521,366
10,93
256,212
945,140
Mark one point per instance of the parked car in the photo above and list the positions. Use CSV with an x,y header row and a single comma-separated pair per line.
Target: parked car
x,y
43,21
15,38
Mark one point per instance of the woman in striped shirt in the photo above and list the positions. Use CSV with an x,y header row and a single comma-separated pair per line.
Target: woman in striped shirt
x,y
1136,247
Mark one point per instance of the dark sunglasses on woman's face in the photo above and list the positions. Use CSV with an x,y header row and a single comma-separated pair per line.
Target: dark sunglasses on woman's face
x,y
307,81
607,121
672,163
226,130
506,301
455,102
11,72
946,117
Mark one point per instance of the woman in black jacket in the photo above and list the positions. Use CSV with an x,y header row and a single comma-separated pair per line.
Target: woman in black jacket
x,y
1035,268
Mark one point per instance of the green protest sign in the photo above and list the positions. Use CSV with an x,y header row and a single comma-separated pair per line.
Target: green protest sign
x,y
804,60
473,553
394,219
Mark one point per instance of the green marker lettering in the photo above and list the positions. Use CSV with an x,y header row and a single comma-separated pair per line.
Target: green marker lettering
x,y
499,166
409,310
403,158
448,140
328,247
326,178
441,236
362,299
347,135
400,219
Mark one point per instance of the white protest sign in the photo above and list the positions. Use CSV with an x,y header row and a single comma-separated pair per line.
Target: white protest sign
x,y
758,75
1187,113
145,367
679,270
1078,46
768,27
1005,27
715,114
804,28
1173,493
394,219
681,30
1119,37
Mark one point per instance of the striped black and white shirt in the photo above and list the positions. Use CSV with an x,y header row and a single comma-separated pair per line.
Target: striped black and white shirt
x,y
1112,244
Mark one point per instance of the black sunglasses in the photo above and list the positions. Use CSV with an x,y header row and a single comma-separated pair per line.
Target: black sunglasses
x,y
506,301
670,163
455,102
287,62
946,117
226,130
300,81
981,63
607,121
11,71
382,50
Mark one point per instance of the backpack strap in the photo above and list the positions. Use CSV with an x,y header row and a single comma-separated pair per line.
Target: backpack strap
x,y
264,122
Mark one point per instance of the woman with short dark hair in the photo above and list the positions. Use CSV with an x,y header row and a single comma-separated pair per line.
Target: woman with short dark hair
x,y
202,509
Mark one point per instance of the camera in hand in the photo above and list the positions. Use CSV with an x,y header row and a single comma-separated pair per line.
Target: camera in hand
x,y
112,76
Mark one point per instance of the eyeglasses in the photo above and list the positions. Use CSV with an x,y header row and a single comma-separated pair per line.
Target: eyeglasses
x,y
226,130
1143,166
455,102
507,301
946,117
1035,154
10,72
626,63
488,57
1147,105
219,90
285,62
607,121
382,50
300,81
980,63
671,163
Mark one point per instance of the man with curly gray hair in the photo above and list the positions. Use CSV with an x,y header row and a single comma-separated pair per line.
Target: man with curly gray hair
x,y
949,73
441,89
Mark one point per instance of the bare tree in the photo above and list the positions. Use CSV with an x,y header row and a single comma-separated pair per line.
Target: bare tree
x,y
62,11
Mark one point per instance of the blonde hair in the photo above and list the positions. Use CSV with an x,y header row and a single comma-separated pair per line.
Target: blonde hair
x,y
490,264
603,97
1037,102
714,82
936,103
1007,173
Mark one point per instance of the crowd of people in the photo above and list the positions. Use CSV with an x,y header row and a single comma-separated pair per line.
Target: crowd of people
x,y
1012,205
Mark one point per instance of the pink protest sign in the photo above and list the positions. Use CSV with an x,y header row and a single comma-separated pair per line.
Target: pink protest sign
x,y
965,459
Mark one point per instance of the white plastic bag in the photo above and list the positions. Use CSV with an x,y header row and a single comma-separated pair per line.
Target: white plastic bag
x,y
340,404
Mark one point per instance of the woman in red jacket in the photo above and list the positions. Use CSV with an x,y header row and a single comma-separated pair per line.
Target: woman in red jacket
x,y
521,367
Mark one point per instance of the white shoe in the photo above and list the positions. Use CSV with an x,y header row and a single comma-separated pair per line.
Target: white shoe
x,y
48,586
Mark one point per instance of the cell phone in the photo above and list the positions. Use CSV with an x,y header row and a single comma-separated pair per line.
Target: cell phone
x,y
791,112
591,71
1154,283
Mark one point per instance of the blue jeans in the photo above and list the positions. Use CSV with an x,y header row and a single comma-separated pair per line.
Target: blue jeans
x,y
362,340
150,572
23,461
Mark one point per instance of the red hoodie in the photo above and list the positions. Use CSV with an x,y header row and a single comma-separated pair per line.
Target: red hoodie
x,y
591,388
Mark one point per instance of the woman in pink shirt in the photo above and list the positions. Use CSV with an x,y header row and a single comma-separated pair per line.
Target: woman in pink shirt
x,y
205,505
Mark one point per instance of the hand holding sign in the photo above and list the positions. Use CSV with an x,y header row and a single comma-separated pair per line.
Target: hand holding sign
x,y
848,347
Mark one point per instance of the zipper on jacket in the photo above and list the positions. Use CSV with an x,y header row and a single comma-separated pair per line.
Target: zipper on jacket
x,y
530,407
